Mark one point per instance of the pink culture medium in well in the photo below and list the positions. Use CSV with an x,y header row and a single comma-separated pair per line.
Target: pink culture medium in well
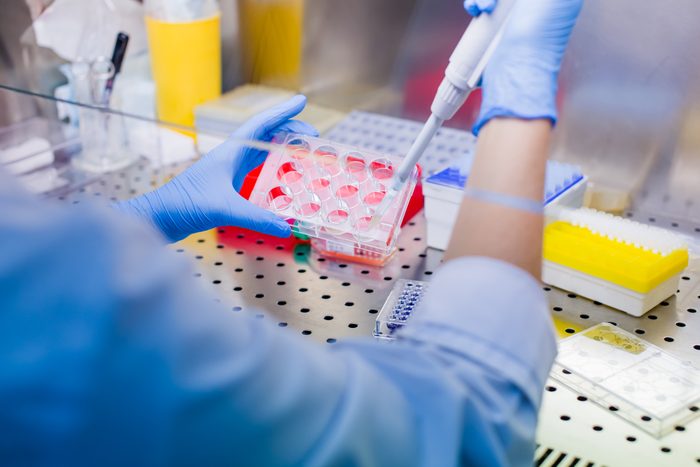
x,y
278,199
347,191
289,173
309,209
363,223
382,169
338,216
356,161
374,197
320,184
326,156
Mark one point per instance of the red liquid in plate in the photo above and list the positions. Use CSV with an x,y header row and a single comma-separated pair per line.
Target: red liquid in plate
x,y
328,161
357,171
338,216
363,223
300,154
383,173
355,161
347,191
278,199
374,198
326,156
355,166
286,169
320,184
309,209
291,177
281,202
382,169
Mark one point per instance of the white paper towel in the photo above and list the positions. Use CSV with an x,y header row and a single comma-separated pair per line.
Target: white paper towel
x,y
88,28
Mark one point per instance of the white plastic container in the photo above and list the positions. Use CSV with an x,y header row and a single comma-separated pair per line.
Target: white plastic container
x,y
565,185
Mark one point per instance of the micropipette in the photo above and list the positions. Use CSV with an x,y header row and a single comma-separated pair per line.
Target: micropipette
x,y
462,75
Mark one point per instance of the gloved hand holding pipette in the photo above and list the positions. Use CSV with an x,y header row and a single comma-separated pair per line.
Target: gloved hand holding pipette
x,y
462,75
503,195
520,79
206,195
518,65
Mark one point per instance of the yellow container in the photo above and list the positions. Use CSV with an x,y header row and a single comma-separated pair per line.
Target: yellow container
x,y
624,264
186,65
271,41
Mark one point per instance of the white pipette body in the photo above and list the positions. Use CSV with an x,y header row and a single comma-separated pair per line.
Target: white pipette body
x,y
462,75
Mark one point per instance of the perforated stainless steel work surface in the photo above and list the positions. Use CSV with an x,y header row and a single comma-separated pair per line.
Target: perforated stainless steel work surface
x,y
326,301
284,281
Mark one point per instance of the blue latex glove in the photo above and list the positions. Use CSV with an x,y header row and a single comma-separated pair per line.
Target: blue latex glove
x,y
521,78
206,196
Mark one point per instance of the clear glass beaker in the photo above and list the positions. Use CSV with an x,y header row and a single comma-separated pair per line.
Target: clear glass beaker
x,y
105,145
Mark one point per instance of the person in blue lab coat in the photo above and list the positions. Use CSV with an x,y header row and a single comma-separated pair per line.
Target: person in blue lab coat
x,y
111,355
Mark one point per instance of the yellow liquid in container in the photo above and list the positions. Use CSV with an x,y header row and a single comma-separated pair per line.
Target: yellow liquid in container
x,y
271,41
186,66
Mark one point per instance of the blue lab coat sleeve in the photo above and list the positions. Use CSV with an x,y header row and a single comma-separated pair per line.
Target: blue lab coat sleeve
x,y
110,354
